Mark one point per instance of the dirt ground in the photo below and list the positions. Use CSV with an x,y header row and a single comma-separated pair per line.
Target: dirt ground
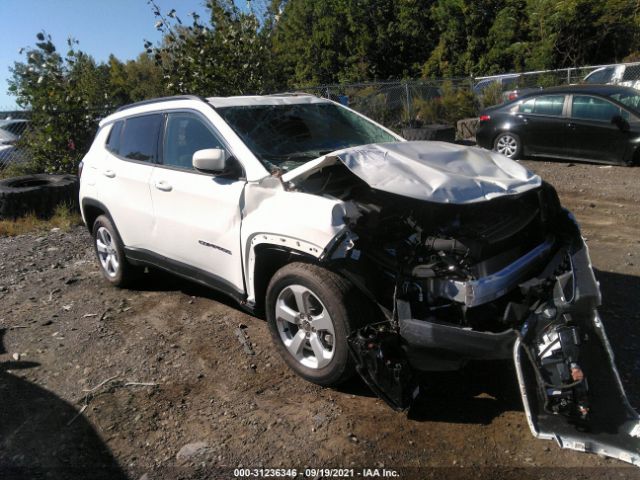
x,y
207,404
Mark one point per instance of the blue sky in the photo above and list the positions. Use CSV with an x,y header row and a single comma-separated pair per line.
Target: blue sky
x,y
101,26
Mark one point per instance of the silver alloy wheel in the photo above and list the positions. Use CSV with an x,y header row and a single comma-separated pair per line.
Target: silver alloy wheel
x,y
507,145
107,252
305,326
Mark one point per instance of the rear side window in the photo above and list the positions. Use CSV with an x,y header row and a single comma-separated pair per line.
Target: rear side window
x,y
549,105
544,105
113,142
593,108
139,138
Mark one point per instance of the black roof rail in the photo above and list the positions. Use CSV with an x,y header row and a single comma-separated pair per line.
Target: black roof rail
x,y
160,99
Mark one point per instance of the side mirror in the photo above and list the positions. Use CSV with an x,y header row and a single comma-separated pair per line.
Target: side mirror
x,y
620,122
212,160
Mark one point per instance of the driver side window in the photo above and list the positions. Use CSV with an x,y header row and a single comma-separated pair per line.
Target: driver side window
x,y
185,134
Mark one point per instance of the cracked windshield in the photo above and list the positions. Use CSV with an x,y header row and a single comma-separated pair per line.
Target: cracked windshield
x,y
284,137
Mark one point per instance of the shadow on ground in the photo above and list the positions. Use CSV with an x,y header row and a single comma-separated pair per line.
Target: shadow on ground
x,y
38,438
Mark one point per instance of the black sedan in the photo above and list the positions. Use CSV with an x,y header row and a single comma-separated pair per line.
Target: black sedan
x,y
596,123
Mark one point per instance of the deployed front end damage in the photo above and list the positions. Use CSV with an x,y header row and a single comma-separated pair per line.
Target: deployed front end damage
x,y
494,269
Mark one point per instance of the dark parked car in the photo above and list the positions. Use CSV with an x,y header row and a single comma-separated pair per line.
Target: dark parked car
x,y
596,123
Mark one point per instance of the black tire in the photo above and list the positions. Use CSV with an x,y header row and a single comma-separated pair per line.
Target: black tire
x,y
516,147
39,194
126,274
339,297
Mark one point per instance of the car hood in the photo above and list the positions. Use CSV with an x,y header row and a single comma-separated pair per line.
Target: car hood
x,y
431,171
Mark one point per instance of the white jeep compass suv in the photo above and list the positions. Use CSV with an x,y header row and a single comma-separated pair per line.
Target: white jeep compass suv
x,y
365,252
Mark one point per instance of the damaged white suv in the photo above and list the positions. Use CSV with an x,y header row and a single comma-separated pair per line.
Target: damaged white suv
x,y
365,252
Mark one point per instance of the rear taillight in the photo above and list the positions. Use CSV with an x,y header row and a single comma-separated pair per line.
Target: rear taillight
x,y
513,96
485,118
80,165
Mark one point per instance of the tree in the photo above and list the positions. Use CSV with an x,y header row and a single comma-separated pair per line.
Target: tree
x,y
67,96
227,56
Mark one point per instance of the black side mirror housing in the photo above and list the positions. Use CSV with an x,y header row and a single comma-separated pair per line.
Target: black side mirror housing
x,y
620,122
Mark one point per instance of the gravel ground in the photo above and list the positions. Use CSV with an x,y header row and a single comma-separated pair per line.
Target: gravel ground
x,y
184,398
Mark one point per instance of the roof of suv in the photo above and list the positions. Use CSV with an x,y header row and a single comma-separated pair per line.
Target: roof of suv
x,y
279,99
219,102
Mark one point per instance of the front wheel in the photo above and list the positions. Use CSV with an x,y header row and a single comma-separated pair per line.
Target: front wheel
x,y
311,312
509,145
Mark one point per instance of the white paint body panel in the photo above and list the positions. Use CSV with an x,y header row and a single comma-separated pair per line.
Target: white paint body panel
x,y
197,222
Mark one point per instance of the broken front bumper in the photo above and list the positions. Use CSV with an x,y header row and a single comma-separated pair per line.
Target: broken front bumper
x,y
389,355
613,428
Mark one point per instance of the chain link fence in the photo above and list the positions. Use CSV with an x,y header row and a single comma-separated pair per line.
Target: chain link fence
x,y
407,104
399,105
13,124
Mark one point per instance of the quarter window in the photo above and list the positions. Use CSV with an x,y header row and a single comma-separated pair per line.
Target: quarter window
x,y
113,142
593,108
139,137
185,134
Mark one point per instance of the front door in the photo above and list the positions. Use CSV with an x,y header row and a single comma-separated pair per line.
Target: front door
x,y
590,133
197,215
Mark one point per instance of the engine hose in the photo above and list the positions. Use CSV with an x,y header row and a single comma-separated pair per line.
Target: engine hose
x,y
450,245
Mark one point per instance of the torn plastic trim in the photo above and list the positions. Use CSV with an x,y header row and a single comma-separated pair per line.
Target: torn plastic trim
x,y
572,442
491,287
468,343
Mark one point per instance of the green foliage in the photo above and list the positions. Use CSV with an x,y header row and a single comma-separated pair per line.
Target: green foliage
x,y
332,41
66,95
454,103
491,95
229,55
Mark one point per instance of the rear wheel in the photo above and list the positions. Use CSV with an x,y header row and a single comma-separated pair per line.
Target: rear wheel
x,y
110,252
310,311
509,145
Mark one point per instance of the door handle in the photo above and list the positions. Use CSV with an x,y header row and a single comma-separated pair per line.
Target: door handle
x,y
109,173
163,185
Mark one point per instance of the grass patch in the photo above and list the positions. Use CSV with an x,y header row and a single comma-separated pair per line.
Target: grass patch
x,y
18,170
64,217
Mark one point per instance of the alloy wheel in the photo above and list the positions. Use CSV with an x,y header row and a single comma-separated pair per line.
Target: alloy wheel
x,y
305,326
107,252
507,145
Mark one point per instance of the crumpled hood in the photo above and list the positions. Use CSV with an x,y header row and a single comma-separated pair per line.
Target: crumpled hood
x,y
431,171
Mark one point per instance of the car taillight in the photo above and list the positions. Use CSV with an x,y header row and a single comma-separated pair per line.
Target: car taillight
x,y
80,165
485,118
513,96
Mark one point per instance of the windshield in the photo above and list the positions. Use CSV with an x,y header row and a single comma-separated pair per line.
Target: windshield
x,y
629,99
284,137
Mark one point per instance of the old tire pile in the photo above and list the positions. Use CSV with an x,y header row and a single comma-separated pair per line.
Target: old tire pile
x,y
39,194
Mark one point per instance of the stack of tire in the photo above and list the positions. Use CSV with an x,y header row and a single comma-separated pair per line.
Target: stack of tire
x,y
39,194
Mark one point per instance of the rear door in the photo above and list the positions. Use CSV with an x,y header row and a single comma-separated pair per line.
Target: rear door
x,y
197,215
543,124
591,135
123,178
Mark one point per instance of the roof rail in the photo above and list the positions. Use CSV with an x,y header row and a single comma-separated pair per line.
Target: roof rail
x,y
160,99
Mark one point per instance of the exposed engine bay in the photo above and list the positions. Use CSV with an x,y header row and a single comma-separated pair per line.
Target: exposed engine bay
x,y
504,278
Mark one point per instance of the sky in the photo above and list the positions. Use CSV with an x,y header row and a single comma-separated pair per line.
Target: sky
x,y
101,26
